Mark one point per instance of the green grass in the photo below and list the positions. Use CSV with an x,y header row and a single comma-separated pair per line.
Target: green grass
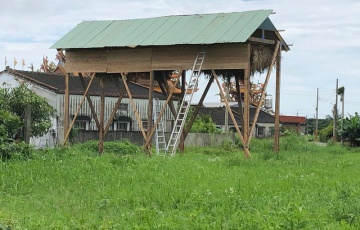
x,y
304,187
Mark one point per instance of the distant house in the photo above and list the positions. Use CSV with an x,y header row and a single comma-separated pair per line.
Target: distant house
x,y
52,87
294,122
263,128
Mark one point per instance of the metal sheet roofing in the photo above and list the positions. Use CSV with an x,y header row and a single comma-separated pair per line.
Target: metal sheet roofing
x,y
168,30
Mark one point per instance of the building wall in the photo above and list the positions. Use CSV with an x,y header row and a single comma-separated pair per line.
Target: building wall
x,y
56,132
144,59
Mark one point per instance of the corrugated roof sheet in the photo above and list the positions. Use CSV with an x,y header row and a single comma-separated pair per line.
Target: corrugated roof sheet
x,y
169,30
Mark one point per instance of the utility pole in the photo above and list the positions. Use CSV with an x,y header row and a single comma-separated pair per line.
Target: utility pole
x,y
335,112
317,114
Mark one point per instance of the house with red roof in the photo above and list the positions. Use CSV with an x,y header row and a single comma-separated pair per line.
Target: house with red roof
x,y
294,122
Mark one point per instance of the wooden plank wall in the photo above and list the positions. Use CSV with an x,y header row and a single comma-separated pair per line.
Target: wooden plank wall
x,y
144,59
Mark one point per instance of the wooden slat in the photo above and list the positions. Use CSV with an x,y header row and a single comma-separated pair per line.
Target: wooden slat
x,y
86,61
129,60
260,40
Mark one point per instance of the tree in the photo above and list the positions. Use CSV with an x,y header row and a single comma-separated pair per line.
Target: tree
x,y
351,130
13,102
204,124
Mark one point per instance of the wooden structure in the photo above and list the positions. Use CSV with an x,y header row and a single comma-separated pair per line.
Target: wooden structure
x,y
158,46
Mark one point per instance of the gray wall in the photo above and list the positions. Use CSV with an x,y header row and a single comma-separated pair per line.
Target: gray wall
x,y
193,139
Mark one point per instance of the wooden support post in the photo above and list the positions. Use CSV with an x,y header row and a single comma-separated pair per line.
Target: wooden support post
x,y
79,107
183,81
240,104
27,124
160,115
263,93
171,104
247,99
102,114
198,107
193,117
91,105
277,103
66,109
116,106
246,148
150,113
133,106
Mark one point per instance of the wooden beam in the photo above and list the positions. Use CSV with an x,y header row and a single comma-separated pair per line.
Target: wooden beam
x,y
262,97
79,107
277,104
66,109
260,40
198,107
247,98
171,104
91,105
133,106
116,106
193,117
150,113
102,114
246,148
240,104
161,114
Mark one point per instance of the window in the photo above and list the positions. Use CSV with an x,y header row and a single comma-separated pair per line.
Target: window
x,y
121,126
122,110
79,124
260,131
145,124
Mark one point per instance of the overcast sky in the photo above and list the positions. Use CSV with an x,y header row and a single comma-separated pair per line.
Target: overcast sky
x,y
325,35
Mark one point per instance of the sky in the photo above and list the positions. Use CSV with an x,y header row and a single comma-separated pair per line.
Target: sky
x,y
324,34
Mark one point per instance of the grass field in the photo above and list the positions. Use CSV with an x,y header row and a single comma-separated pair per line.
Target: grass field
x,y
304,187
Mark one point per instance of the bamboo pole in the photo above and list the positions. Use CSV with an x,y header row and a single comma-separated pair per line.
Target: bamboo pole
x,y
133,106
277,104
246,148
91,105
79,107
262,97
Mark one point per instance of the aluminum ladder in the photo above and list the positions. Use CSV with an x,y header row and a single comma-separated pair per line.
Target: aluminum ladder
x,y
160,142
185,104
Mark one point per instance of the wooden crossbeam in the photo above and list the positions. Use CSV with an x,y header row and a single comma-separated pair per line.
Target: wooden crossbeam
x,y
161,114
117,104
262,97
246,148
91,105
133,106
79,107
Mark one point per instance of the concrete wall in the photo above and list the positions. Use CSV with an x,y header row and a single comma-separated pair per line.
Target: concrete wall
x,y
193,139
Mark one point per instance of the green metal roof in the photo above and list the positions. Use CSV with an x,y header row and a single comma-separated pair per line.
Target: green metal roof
x,y
169,30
